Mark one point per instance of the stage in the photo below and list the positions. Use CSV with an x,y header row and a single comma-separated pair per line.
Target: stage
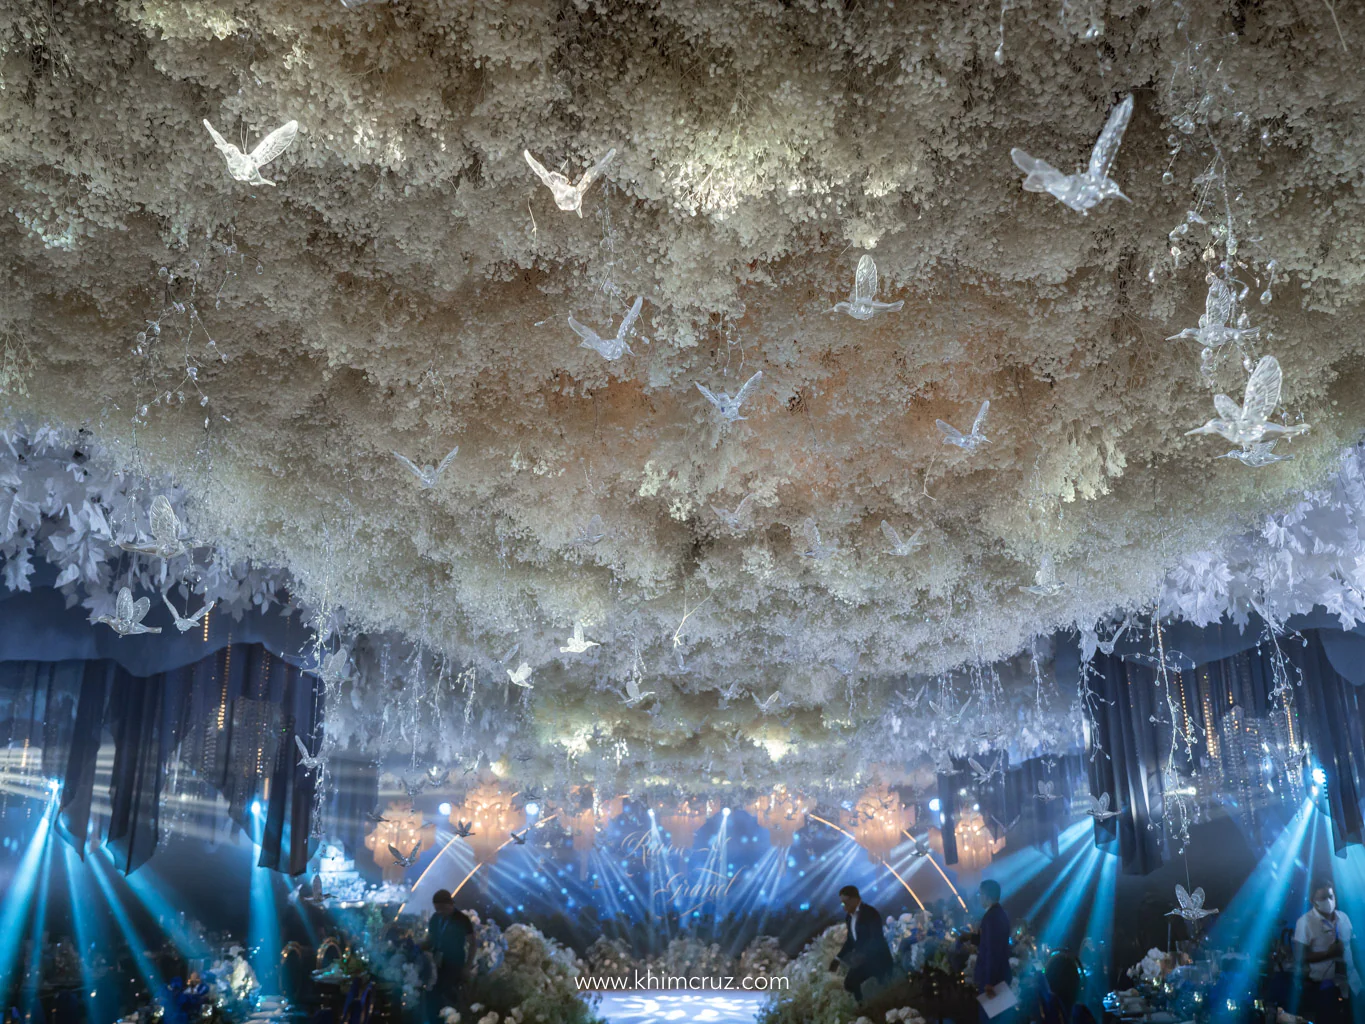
x,y
708,1007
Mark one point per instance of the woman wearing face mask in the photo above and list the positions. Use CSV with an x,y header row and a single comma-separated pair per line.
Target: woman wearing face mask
x,y
1322,943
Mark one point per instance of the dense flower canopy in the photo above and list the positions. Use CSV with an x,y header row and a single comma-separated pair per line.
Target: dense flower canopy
x,y
405,286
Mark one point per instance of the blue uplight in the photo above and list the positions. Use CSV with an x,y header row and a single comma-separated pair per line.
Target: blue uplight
x,y
1319,776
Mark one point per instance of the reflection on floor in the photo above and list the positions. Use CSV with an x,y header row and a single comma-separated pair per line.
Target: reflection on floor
x,y
701,1007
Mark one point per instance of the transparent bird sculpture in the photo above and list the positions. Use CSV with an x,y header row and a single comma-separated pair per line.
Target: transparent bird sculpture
x,y
376,817
183,624
902,547
1088,188
1220,305
945,712
428,475
610,349
247,166
1191,905
568,196
464,829
633,694
521,677
729,407
734,520
128,615
437,776
315,896
166,526
591,532
1262,453
523,758
1047,791
307,761
967,442
1097,807
334,668
576,644
1249,423
413,789
519,837
1045,581
769,703
980,773
862,304
816,549
402,860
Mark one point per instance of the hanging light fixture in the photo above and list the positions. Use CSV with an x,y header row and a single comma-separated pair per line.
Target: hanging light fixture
x,y
878,821
782,813
403,830
490,809
682,822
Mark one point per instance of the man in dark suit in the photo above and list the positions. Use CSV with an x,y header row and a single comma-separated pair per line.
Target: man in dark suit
x,y
993,942
865,952
450,939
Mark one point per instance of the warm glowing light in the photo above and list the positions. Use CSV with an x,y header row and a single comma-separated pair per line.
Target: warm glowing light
x,y
682,823
489,808
403,830
877,821
782,814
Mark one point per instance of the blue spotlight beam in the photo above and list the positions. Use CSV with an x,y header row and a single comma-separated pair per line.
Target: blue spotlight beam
x,y
1251,920
14,909
145,967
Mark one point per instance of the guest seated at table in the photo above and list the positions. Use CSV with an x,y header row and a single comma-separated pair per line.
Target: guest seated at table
x,y
1060,1002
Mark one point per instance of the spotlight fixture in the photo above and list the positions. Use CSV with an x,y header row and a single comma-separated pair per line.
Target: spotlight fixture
x,y
532,809
1319,776
255,807
443,809
935,805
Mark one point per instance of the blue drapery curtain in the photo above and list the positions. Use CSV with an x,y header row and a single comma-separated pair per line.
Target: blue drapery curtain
x,y
231,716
1218,677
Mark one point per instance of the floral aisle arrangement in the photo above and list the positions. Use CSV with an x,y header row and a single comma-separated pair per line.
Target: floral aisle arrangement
x,y
815,995
763,956
609,958
689,957
404,967
533,982
232,984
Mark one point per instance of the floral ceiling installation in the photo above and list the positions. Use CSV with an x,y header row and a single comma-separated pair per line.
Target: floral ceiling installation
x,y
258,353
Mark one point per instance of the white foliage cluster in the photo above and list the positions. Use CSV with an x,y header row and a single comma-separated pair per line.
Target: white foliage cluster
x,y
1310,555
61,503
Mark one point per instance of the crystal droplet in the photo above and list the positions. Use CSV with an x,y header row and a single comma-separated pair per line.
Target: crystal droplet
x,y
141,337
1000,54
260,269
1266,297
163,273
1167,178
1247,364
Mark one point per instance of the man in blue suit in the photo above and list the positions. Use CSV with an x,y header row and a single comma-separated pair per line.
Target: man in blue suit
x,y
993,942
865,952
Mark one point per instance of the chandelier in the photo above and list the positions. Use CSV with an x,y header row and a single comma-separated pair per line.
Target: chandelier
x,y
878,822
782,813
402,830
489,808
682,823
976,847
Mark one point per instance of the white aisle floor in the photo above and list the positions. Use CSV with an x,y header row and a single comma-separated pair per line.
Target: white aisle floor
x,y
699,1007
